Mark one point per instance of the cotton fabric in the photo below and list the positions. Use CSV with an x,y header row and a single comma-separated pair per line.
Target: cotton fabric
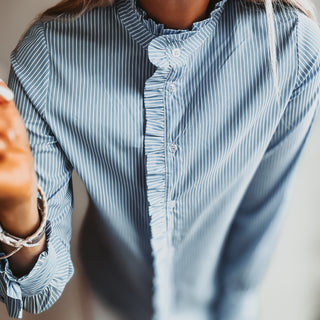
x,y
183,148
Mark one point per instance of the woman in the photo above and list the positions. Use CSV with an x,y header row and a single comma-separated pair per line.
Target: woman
x,y
185,121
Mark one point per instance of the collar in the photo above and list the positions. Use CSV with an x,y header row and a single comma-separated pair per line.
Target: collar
x,y
166,46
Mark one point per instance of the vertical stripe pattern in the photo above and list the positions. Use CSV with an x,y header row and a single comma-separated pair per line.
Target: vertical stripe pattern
x,y
182,146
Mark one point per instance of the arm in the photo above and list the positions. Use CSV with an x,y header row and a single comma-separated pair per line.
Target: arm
x,y
258,220
18,186
43,285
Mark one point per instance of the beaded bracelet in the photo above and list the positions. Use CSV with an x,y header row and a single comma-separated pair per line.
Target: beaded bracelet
x,y
34,239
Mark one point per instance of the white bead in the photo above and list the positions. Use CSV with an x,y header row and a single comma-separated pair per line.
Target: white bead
x,y
172,88
176,53
173,148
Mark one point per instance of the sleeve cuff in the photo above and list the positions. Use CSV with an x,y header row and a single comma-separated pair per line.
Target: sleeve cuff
x,y
12,289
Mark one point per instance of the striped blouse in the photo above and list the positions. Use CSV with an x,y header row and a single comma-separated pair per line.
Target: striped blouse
x,y
184,151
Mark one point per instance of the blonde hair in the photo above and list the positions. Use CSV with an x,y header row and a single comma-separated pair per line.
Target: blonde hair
x,y
78,7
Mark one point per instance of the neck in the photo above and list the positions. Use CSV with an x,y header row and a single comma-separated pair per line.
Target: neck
x,y
175,14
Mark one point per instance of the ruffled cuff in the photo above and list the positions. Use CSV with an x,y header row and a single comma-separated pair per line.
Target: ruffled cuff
x,y
12,289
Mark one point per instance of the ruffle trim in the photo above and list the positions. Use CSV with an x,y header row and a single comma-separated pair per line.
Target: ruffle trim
x,y
155,158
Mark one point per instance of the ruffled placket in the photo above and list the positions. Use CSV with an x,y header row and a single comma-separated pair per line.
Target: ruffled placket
x,y
167,50
163,57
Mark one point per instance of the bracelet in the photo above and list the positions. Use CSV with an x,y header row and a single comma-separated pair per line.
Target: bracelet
x,y
34,239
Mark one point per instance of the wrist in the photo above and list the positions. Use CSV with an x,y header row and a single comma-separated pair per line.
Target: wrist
x,y
24,246
23,220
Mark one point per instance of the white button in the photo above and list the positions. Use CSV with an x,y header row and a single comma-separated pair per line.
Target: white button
x,y
173,148
176,53
172,88
171,205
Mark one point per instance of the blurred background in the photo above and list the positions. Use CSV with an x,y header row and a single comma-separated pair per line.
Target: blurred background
x,y
291,288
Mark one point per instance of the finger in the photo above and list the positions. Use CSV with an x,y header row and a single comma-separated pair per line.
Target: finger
x,y
6,95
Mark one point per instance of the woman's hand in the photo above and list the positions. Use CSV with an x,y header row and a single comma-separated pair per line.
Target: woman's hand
x,y
18,182
18,185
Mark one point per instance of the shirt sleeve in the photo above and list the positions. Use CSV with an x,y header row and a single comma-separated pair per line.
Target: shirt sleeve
x,y
43,285
258,220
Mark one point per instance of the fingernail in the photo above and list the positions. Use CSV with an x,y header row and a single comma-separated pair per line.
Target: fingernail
x,y
6,93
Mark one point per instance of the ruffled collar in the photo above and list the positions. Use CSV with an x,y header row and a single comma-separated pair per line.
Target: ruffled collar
x,y
144,30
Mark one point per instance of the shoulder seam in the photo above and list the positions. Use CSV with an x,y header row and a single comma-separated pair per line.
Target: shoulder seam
x,y
49,66
301,76
297,50
24,62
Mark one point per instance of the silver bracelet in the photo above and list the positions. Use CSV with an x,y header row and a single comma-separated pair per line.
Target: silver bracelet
x,y
34,239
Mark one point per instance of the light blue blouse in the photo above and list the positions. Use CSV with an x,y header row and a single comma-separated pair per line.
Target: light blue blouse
x,y
183,149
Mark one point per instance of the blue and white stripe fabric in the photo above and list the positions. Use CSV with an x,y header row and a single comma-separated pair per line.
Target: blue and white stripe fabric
x,y
183,149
